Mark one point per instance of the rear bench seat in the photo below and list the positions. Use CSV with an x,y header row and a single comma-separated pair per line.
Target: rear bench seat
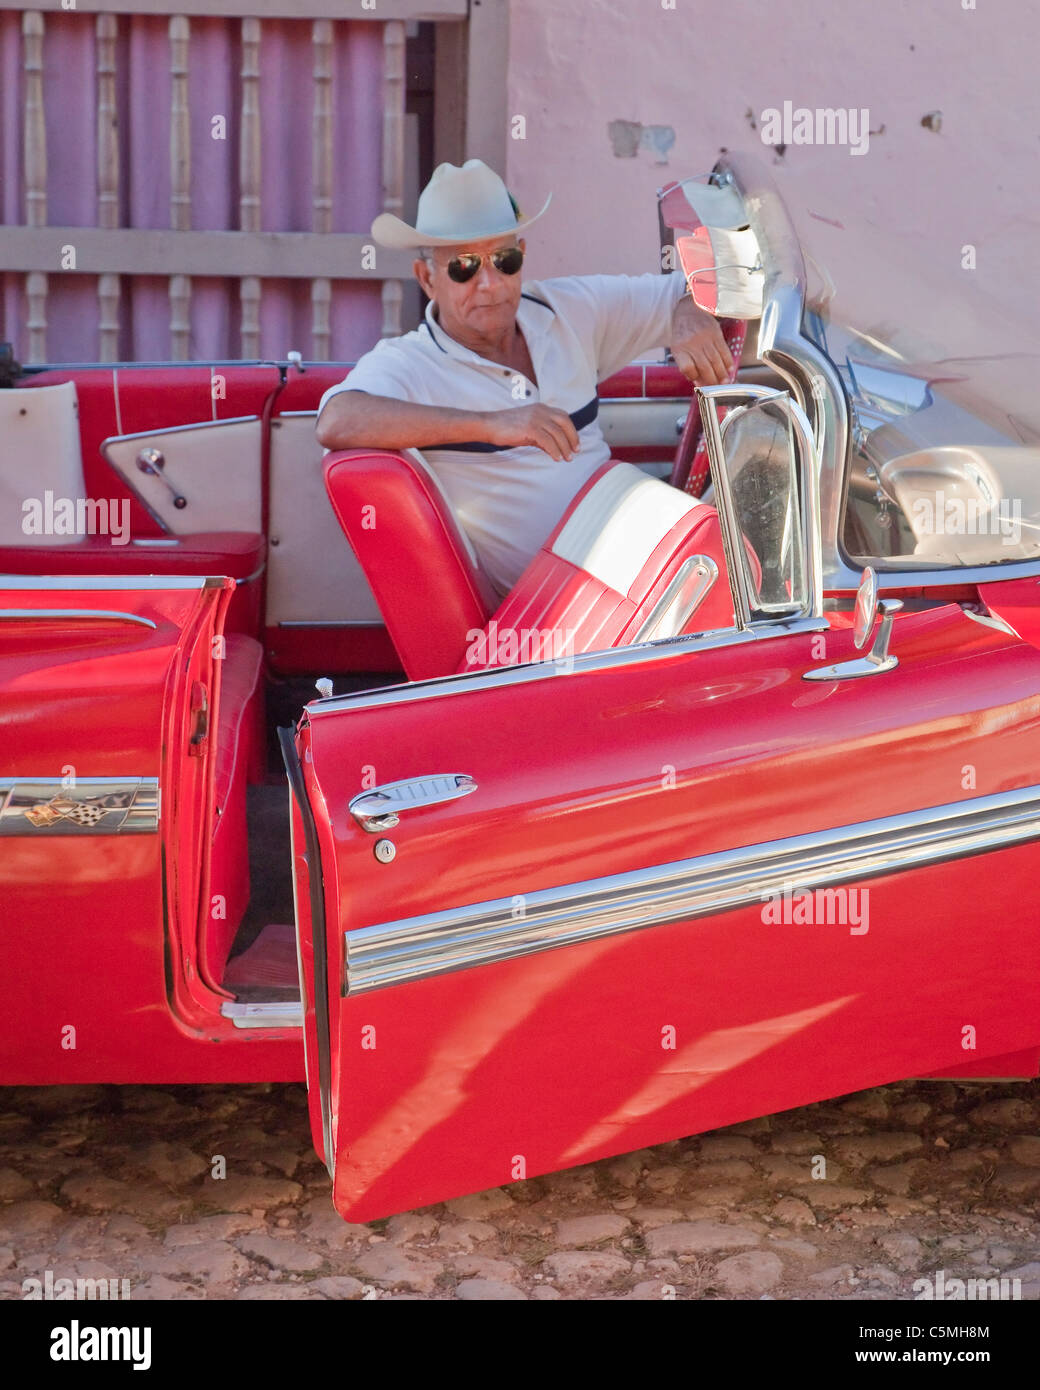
x,y
42,453
237,554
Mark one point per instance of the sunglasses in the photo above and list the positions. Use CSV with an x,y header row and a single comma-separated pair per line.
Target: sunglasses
x,y
464,267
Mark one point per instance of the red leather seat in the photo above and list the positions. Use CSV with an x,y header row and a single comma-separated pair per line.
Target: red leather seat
x,y
604,569
419,564
238,554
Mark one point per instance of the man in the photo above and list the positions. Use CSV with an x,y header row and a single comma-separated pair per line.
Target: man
x,y
497,387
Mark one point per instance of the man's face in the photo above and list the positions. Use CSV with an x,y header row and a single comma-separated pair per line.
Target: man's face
x,y
484,306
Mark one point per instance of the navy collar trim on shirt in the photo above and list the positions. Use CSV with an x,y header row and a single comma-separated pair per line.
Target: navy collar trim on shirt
x,y
579,419
532,297
426,325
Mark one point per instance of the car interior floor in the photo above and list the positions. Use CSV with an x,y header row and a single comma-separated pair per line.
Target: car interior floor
x,y
262,965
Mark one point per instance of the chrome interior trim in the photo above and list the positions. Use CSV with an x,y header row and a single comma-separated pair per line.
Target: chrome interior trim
x,y
77,582
438,943
584,662
90,806
101,615
263,1015
336,622
173,429
694,579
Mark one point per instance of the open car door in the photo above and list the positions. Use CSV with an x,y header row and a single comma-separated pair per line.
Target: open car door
x,y
554,912
106,770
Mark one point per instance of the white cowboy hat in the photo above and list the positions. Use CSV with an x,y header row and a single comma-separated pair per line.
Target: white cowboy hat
x,y
457,206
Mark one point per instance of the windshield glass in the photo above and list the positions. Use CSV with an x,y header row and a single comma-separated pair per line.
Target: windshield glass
x,y
941,380
939,474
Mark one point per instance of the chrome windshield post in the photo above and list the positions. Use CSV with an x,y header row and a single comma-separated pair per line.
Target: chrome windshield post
x,y
807,460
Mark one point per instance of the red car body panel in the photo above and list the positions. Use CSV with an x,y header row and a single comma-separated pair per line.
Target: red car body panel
x,y
455,1083
93,929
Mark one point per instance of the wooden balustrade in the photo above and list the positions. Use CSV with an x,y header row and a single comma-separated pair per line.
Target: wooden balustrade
x,y
111,253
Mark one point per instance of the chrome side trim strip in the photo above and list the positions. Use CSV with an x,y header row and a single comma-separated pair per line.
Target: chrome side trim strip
x,y
583,662
131,583
90,806
392,953
891,577
99,615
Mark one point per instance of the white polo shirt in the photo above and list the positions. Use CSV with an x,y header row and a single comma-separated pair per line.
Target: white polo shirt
x,y
579,330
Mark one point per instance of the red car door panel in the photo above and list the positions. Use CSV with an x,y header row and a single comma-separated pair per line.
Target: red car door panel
x,y
486,1023
107,725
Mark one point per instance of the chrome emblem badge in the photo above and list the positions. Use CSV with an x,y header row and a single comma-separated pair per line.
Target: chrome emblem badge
x,y
46,813
93,806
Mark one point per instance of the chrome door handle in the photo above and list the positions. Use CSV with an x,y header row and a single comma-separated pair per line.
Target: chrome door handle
x,y
380,809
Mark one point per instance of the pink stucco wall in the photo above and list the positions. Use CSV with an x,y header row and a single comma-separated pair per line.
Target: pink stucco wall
x,y
708,70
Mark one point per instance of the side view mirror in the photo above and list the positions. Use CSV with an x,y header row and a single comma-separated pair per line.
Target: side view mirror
x,y
879,658
866,608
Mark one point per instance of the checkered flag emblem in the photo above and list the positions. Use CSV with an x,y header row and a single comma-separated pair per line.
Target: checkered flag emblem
x,y
46,813
82,814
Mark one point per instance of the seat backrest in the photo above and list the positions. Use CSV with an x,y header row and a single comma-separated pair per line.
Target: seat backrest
x,y
605,570
40,454
416,557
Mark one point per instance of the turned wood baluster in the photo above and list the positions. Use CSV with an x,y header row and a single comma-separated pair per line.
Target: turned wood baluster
x,y
108,288
393,154
249,200
321,159
35,156
180,182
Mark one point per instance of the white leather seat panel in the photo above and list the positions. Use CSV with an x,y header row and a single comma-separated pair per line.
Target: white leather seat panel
x,y
39,427
619,523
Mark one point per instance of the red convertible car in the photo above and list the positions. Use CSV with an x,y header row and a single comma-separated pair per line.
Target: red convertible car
x,y
732,805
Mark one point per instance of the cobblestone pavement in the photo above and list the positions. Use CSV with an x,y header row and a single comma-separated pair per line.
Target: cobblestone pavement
x,y
108,1182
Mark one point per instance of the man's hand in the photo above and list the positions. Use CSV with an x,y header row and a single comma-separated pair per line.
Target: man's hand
x,y
698,345
543,426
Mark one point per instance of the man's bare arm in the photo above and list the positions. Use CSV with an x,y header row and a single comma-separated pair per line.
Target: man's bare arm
x,y
358,420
